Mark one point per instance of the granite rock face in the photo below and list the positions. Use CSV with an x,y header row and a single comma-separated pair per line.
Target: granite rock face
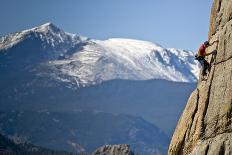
x,y
205,127
121,149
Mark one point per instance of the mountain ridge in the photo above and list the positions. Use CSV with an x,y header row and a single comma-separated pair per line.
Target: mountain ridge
x,y
46,28
86,61
91,130
47,68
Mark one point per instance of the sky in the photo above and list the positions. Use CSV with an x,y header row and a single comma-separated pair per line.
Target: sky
x,y
179,24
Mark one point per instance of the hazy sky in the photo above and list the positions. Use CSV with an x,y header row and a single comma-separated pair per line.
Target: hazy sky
x,y
171,23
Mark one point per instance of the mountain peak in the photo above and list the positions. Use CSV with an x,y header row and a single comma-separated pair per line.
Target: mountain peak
x,y
48,31
47,24
47,27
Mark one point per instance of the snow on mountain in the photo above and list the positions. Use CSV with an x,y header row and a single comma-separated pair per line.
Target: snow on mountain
x,y
128,59
94,61
47,33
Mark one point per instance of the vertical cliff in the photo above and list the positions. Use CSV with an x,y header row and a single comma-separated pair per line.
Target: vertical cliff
x,y
205,126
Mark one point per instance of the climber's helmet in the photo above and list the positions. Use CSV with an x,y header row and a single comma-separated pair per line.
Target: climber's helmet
x,y
206,43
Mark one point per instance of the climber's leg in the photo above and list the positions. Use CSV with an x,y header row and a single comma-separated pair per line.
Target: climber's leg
x,y
206,66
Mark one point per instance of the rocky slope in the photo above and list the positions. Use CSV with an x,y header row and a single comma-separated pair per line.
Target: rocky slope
x,y
205,126
82,131
121,149
9,147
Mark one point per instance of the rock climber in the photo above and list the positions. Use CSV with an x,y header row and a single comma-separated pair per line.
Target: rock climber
x,y
201,54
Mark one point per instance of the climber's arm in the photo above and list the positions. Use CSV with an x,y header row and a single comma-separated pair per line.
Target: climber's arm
x,y
213,52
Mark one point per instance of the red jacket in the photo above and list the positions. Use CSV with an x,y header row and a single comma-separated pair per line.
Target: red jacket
x,y
201,51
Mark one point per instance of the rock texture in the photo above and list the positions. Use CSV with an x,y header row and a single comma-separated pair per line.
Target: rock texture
x,y
121,149
205,126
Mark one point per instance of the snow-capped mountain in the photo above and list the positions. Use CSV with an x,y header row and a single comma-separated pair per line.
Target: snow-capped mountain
x,y
128,59
49,36
83,61
38,67
47,32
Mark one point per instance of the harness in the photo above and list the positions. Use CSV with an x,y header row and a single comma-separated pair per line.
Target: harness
x,y
198,57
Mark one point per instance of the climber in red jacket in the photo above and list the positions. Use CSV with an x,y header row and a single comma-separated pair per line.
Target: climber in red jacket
x,y
200,56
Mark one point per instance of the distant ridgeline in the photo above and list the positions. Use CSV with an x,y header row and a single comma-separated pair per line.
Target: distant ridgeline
x,y
8,147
